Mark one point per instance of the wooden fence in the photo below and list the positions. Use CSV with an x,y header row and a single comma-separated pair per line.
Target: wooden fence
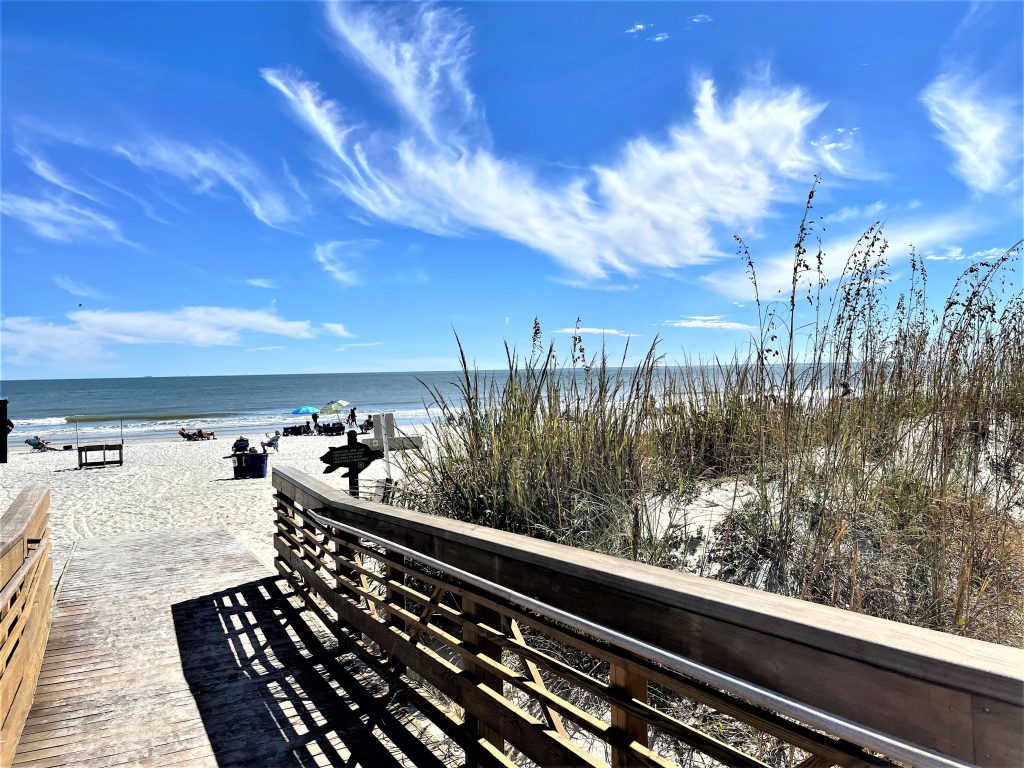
x,y
524,650
26,600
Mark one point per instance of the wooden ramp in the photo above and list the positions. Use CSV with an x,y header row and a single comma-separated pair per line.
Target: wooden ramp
x,y
179,648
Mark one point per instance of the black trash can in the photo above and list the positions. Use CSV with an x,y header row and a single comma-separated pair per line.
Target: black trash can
x,y
256,465
238,465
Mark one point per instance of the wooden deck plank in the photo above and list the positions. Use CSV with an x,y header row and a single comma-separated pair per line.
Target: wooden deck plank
x,y
180,648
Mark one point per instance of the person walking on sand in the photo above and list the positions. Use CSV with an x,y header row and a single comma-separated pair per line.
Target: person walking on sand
x,y
352,418
316,424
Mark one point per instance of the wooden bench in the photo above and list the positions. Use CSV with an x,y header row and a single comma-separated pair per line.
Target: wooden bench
x,y
115,448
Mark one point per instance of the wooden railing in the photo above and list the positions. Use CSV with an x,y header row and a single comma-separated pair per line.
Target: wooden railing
x,y
26,599
519,648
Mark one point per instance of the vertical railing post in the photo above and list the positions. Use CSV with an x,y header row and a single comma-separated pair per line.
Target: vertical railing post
x,y
395,598
484,646
634,686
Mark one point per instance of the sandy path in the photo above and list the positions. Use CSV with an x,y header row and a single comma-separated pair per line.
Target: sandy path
x,y
164,485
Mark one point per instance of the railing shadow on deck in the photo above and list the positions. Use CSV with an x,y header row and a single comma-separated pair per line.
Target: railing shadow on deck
x,y
272,692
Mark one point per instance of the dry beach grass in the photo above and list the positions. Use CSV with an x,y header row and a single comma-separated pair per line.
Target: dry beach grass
x,y
865,450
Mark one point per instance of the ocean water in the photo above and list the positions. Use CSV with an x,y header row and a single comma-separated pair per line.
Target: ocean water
x,y
158,406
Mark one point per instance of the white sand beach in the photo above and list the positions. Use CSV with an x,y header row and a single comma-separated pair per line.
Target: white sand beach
x,y
165,484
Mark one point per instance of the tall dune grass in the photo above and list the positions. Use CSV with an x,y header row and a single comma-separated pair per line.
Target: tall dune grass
x,y
881,436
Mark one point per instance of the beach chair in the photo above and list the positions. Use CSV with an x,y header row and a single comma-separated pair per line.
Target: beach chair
x,y
37,444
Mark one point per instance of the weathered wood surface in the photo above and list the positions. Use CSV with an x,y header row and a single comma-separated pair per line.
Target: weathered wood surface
x,y
179,648
960,697
25,602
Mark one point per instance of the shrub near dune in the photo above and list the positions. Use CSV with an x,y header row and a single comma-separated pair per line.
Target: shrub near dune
x,y
880,437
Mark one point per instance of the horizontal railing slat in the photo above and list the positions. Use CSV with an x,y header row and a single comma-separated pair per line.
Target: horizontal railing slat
x,y
938,691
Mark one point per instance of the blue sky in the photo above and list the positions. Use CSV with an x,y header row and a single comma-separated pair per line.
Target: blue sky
x,y
222,188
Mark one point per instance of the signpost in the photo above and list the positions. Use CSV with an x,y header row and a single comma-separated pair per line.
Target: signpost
x,y
354,457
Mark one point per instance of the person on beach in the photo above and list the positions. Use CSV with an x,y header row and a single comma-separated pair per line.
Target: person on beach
x,y
366,426
241,445
272,442
187,435
352,418
39,444
201,435
306,430
316,424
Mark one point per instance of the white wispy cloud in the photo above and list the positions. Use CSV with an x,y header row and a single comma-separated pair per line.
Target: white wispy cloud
x,y
595,331
261,282
45,170
660,37
147,209
335,258
717,322
420,54
207,167
88,334
662,203
775,270
983,130
272,348
338,329
201,167
956,253
638,27
358,345
57,218
867,214
74,288
701,18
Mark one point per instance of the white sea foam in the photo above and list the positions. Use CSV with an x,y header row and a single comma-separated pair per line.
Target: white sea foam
x,y
58,429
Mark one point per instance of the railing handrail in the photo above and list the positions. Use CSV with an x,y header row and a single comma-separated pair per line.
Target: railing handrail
x,y
26,597
972,665
21,520
816,718
981,684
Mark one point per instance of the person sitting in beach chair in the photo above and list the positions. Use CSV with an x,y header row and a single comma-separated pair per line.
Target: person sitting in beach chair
x,y
38,444
366,426
272,442
187,435
201,435
241,445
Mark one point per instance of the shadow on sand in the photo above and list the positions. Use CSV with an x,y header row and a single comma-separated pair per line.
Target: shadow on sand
x,y
273,694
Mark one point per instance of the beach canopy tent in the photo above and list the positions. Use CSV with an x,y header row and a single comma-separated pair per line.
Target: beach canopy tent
x,y
335,406
305,409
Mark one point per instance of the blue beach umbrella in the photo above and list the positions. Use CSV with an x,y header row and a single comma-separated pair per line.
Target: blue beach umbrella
x,y
305,409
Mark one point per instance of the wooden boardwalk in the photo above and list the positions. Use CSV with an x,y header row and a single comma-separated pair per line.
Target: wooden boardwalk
x,y
180,648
